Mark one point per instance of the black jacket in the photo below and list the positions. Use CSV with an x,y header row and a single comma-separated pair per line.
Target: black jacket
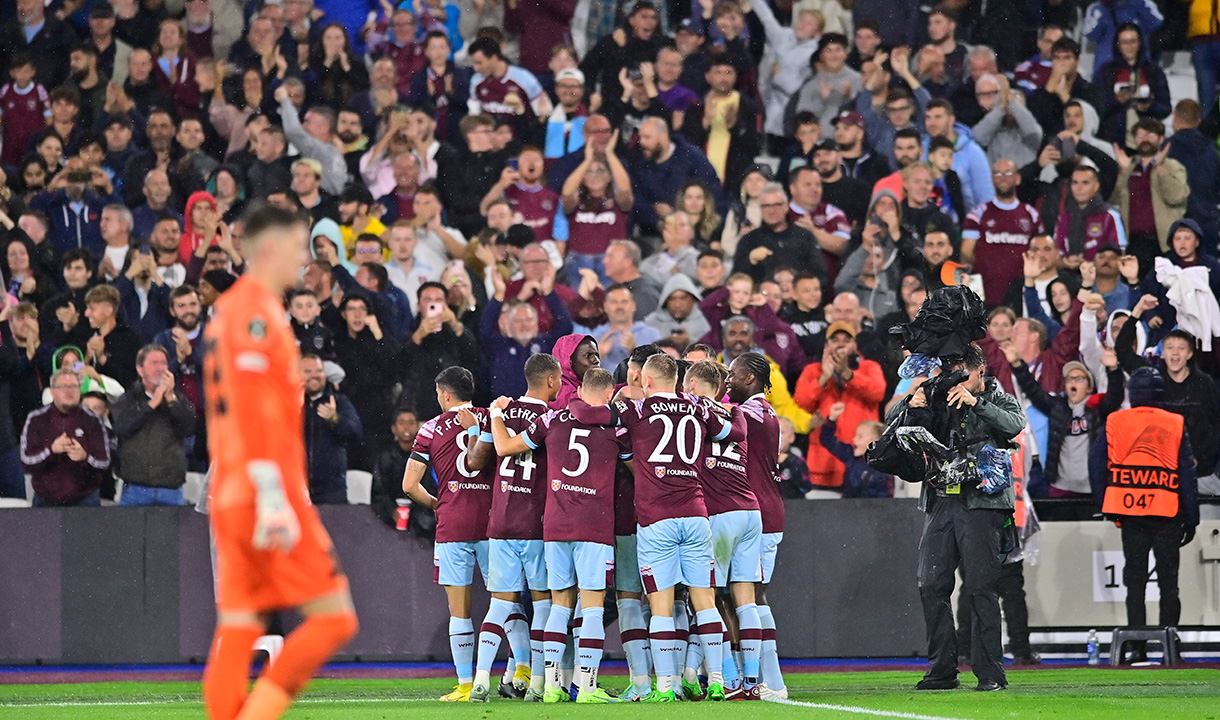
x,y
793,247
49,49
9,370
423,362
1196,399
151,439
121,347
464,182
1059,418
387,491
1202,162
369,382
326,447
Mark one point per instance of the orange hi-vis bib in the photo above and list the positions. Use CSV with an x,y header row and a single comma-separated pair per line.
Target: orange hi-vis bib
x,y
1144,444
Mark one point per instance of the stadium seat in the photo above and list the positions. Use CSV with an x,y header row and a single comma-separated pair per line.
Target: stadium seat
x,y
359,487
270,644
1166,636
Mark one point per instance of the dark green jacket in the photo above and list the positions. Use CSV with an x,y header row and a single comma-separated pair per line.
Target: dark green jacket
x,y
995,419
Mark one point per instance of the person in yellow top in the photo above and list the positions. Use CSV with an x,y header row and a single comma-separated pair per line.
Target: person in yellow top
x,y
728,131
356,218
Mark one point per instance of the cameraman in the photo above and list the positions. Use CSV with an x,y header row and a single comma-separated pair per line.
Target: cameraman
x,y
963,523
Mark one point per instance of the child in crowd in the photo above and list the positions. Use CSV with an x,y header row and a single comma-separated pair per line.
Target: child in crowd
x,y
859,480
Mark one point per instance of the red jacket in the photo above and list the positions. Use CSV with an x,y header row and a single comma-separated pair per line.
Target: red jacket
x,y
862,395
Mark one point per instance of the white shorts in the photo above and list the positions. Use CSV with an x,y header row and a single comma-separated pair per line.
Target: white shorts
x,y
770,546
737,547
515,565
583,565
626,565
676,551
453,562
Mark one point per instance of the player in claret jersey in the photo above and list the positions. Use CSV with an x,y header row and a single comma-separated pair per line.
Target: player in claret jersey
x,y
462,506
736,522
667,433
272,552
515,552
578,525
748,381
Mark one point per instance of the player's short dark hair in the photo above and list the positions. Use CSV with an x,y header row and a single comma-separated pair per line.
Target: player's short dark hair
x,y
539,367
800,170
721,59
1089,169
758,366
700,347
708,372
641,353
662,367
264,218
597,379
458,381
487,46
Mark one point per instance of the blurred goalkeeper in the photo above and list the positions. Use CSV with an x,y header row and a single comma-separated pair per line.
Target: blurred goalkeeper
x,y
968,497
272,551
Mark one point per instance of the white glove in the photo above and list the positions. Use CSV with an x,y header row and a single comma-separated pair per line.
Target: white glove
x,y
276,526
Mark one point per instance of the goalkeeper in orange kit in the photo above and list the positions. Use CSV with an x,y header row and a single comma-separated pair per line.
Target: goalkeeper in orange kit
x,y
272,552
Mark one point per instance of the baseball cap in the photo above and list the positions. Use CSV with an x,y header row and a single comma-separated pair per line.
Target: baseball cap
x,y
851,117
1077,365
690,26
825,145
837,327
570,74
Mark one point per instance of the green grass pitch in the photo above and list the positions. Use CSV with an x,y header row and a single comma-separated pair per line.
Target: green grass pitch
x,y
1072,694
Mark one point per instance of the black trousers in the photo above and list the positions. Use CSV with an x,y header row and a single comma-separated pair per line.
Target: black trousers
x,y
973,539
1163,536
1016,613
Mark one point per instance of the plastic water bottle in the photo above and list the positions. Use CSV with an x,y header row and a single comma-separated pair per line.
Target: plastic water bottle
x,y
1093,648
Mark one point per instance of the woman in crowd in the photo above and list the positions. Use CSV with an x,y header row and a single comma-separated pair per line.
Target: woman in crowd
x,y
21,279
340,73
230,120
174,66
596,197
745,214
694,199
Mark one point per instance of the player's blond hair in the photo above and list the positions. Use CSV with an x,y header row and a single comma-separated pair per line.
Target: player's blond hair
x,y
662,368
709,373
597,380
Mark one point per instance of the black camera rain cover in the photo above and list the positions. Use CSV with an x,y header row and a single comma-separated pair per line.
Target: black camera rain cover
x,y
948,321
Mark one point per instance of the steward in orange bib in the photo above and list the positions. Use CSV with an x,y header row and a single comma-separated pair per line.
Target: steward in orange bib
x,y
1143,476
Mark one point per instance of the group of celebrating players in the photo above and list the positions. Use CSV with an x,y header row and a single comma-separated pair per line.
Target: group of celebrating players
x,y
572,489
580,486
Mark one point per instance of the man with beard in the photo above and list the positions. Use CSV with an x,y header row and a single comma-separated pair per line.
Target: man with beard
x,y
366,355
331,423
907,149
996,234
1087,222
665,163
839,189
88,81
350,132
858,160
679,317
1151,192
354,218
152,422
183,341
164,240
163,152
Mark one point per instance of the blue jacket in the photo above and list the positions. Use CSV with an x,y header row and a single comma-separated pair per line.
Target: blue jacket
x,y
1101,21
507,356
659,182
970,164
72,230
859,479
326,447
154,320
879,131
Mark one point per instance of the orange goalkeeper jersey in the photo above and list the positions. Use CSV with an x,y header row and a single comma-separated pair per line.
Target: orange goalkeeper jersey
x,y
254,395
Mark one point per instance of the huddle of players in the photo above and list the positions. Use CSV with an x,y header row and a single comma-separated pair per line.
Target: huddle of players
x,y
634,493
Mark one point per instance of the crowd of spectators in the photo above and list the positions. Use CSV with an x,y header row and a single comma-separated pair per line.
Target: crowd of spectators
x,y
486,177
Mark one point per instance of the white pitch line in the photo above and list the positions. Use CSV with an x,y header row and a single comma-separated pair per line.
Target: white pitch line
x,y
142,703
862,710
